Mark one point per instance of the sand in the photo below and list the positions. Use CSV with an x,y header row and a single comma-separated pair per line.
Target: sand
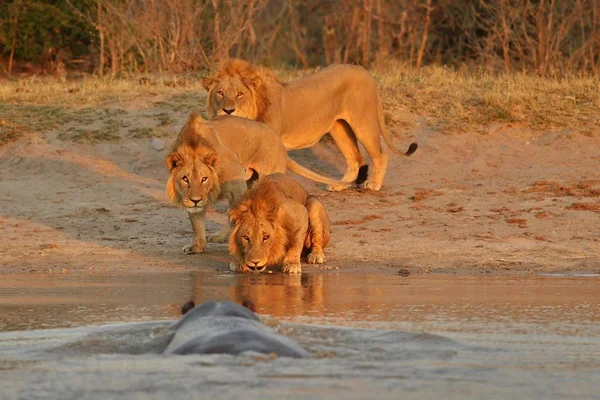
x,y
507,201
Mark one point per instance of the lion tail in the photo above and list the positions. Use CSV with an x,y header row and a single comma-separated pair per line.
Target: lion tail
x,y
313,176
386,136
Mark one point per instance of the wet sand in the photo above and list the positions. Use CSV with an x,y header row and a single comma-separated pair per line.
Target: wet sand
x,y
397,337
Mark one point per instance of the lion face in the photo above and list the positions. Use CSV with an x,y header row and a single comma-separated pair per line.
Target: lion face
x,y
193,183
257,240
231,96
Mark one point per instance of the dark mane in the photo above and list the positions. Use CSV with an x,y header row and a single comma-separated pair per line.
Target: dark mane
x,y
257,78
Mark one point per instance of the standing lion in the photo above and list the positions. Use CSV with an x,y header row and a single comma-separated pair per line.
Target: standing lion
x,y
341,99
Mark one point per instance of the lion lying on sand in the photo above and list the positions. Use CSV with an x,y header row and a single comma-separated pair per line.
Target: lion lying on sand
x,y
341,99
214,159
274,223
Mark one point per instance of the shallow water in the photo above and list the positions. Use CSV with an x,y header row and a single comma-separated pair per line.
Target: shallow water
x,y
416,337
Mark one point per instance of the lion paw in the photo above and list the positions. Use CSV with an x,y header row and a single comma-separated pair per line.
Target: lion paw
x,y
235,267
338,187
217,238
192,249
292,268
316,258
371,186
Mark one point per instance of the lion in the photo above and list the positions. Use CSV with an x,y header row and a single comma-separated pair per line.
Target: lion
x,y
209,161
274,223
340,99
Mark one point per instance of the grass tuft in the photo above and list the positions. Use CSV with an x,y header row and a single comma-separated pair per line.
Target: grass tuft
x,y
459,102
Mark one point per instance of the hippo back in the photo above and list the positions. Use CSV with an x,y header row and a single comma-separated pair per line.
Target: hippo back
x,y
227,328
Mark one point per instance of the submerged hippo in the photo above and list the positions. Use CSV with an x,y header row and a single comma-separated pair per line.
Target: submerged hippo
x,y
223,327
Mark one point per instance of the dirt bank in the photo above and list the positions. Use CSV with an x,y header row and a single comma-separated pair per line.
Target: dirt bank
x,y
82,188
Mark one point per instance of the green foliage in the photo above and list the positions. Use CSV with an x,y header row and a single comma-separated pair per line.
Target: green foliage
x,y
39,25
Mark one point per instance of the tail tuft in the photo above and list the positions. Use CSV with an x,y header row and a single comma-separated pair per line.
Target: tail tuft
x,y
363,174
411,149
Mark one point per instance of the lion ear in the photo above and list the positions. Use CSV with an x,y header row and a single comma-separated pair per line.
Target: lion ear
x,y
208,82
254,81
274,213
173,161
212,160
236,214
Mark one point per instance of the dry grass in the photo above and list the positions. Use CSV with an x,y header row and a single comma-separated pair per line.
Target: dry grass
x,y
457,102
95,109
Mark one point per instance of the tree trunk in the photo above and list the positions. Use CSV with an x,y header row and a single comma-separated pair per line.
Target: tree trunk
x,y
101,34
425,34
15,28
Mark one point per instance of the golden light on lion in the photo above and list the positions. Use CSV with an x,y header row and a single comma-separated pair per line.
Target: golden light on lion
x,y
274,223
210,161
341,99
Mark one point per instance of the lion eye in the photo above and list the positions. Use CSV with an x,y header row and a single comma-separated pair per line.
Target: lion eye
x,y
220,93
204,178
240,94
246,238
266,237
185,179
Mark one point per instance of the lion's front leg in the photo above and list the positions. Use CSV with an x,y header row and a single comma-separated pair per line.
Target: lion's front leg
x,y
291,260
318,231
233,191
198,226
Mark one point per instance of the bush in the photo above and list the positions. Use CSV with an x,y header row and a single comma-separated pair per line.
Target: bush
x,y
547,37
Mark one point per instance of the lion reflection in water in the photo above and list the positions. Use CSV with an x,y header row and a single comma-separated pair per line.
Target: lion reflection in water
x,y
280,294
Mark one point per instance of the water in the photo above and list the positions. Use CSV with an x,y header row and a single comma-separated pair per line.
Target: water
x,y
412,337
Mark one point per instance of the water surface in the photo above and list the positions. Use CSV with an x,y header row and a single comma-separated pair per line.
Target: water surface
x,y
416,337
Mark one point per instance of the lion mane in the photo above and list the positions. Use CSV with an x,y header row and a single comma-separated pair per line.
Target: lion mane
x,y
189,147
261,205
274,223
256,79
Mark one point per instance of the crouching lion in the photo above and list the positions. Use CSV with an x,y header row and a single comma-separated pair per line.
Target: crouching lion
x,y
274,223
211,160
341,99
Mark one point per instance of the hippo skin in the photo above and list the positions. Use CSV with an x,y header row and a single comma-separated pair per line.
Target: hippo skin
x,y
223,327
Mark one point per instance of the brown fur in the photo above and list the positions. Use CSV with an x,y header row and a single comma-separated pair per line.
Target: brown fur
x,y
254,104
208,162
273,223
341,99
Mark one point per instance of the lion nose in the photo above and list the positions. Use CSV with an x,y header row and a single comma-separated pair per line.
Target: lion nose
x,y
196,201
228,111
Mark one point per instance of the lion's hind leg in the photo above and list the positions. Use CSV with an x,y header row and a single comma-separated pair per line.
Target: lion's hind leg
x,y
369,135
345,140
319,231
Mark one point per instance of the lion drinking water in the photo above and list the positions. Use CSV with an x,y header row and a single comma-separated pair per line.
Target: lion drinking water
x,y
214,159
341,99
274,223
